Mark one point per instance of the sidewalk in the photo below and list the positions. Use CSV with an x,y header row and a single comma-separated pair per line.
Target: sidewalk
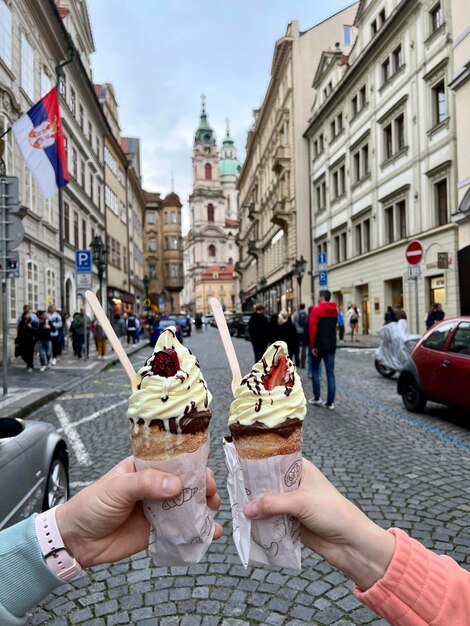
x,y
28,391
365,341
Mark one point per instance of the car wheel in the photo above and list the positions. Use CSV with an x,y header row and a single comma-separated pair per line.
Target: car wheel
x,y
413,398
57,485
387,372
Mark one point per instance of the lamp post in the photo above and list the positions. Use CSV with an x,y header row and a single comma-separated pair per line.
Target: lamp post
x,y
298,270
99,257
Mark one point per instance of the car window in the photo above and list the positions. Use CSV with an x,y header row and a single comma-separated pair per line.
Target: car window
x,y
437,339
461,340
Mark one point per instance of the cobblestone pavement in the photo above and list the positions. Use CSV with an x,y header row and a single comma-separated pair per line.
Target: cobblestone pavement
x,y
401,469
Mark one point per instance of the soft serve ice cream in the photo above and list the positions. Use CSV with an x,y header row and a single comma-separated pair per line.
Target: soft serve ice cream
x,y
267,414
169,411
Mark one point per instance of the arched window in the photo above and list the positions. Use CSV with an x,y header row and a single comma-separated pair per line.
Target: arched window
x,y
208,171
212,250
210,212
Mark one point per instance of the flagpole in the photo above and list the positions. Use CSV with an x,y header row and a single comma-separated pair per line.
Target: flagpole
x,y
59,70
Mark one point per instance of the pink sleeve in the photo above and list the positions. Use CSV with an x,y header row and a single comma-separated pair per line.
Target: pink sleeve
x,y
420,588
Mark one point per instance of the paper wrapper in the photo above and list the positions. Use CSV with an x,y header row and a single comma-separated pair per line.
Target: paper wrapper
x,y
182,528
275,541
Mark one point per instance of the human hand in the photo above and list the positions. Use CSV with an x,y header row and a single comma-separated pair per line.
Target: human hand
x,y
314,352
332,526
105,522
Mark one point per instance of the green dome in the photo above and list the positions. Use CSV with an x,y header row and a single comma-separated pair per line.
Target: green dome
x,y
229,167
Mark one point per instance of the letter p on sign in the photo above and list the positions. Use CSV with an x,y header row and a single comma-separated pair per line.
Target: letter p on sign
x,y
83,262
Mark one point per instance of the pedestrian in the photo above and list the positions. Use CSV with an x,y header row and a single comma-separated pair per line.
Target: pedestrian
x,y
340,324
100,339
66,328
81,325
131,328
44,330
287,332
397,310
273,327
322,332
353,320
436,314
26,339
198,322
389,315
74,334
33,317
258,329
393,574
300,320
105,522
56,322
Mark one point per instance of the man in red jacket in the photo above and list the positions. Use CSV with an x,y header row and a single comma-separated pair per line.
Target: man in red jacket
x,y
322,334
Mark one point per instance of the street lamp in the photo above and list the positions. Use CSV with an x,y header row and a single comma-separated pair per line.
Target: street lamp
x,y
298,270
99,257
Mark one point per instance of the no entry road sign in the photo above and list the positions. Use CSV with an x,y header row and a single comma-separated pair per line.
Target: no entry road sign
x,y
414,252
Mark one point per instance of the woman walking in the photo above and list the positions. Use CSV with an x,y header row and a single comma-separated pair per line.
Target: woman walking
x,y
44,340
353,318
100,339
25,340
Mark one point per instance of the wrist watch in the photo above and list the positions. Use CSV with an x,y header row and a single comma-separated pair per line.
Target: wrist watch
x,y
57,557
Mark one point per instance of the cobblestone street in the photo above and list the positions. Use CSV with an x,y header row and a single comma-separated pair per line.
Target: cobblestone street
x,y
412,471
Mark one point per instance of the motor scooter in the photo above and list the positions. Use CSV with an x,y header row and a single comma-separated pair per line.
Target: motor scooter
x,y
394,349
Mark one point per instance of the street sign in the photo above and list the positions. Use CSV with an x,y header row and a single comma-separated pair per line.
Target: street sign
x,y
83,261
414,252
443,260
12,265
84,280
323,278
147,301
322,260
14,232
414,272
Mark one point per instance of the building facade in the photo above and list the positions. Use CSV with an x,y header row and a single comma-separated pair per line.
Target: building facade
x,y
382,148
213,206
216,281
274,196
163,252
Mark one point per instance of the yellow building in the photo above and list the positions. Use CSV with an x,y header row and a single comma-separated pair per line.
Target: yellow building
x,y
215,281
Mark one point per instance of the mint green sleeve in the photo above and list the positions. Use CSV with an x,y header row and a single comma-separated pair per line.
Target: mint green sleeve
x,y
25,578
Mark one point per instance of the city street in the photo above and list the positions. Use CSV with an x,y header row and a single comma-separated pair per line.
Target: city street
x,y
412,471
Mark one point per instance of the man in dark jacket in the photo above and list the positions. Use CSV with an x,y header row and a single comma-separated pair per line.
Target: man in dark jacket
x,y
322,334
258,328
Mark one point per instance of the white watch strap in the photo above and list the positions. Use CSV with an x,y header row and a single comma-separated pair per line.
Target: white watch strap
x,y
57,557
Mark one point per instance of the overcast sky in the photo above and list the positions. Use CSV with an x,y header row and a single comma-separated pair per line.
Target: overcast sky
x,y
161,55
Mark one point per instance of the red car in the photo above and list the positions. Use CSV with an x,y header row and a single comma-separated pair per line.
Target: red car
x,y
439,367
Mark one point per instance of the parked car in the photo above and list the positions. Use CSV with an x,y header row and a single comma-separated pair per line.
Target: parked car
x,y
34,469
239,325
184,322
439,367
159,326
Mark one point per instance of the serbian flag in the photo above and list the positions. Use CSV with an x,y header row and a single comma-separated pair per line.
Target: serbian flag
x,y
40,136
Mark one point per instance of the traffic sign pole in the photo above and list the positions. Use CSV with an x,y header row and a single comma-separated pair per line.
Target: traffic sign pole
x,y
414,254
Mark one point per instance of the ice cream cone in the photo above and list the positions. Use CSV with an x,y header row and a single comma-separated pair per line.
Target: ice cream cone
x,y
259,442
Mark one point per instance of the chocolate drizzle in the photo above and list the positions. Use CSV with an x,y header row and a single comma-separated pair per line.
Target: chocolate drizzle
x,y
190,423
285,429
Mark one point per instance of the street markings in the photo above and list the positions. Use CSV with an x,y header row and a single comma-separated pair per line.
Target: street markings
x,y
94,415
18,393
72,435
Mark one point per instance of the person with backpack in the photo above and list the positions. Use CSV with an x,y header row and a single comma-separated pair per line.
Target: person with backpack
x,y
131,326
300,320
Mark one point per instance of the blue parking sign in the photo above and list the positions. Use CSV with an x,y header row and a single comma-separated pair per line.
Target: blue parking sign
x,y
83,262
321,258
323,278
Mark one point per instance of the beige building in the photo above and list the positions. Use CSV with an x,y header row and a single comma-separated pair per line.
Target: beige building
x,y
461,86
215,281
274,195
163,252
382,146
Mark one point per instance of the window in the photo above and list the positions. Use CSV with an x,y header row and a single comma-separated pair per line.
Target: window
x,y
172,243
152,244
437,339
5,125
66,221
461,340
320,195
358,239
439,103
440,190
110,160
399,124
51,282
173,270
92,187
73,101
394,137
27,68
210,212
366,235
75,229
208,171
347,35
395,222
90,133
437,19
98,148
121,177
45,83
397,58
381,18
29,190
110,200
5,35
124,259
81,116
340,247
32,285
152,271
386,71
173,217
63,86
74,164
123,212
212,250
361,163
373,28
118,255
150,217
339,181
83,173
84,238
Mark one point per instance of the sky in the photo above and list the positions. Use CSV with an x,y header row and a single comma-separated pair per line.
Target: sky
x,y
161,55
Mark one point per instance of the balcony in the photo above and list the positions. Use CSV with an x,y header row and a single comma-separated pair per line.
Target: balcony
x,y
281,159
282,213
174,283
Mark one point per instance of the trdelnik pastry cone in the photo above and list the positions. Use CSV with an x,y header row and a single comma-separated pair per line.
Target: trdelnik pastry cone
x,y
169,419
265,422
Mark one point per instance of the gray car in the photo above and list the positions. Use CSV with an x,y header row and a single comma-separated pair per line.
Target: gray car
x,y
34,469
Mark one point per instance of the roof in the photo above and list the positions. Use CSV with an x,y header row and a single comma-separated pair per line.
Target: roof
x,y
204,132
172,198
229,167
231,222
224,270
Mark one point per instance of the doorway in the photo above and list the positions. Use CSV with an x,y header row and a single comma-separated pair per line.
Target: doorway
x,y
365,309
437,290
